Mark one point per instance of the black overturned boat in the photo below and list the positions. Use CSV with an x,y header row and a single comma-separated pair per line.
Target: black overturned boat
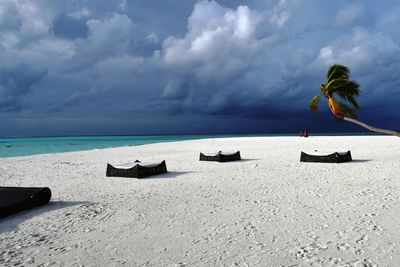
x,y
16,199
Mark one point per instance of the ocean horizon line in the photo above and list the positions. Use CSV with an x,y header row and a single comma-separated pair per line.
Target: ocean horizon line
x,y
317,133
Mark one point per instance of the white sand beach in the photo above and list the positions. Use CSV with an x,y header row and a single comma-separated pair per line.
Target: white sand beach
x,y
268,209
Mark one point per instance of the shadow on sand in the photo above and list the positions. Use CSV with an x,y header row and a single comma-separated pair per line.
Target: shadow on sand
x,y
10,223
244,160
168,175
360,160
234,161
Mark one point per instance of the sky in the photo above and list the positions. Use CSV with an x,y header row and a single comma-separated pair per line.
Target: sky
x,y
132,67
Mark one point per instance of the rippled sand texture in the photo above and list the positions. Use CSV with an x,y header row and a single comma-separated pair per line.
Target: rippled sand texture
x,y
267,210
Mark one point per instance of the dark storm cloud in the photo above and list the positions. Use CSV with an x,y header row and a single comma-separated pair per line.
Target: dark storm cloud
x,y
207,63
16,83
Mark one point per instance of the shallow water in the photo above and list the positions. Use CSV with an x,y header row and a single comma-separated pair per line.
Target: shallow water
x,y
14,147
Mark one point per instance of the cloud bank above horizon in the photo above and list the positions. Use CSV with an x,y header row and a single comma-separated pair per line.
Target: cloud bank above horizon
x,y
130,67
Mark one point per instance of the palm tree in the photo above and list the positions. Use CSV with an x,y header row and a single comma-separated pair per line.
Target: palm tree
x,y
338,84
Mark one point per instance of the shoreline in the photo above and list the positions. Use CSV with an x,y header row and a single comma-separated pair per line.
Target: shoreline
x,y
268,209
12,146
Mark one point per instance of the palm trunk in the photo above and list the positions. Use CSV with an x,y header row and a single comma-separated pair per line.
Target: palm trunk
x,y
373,129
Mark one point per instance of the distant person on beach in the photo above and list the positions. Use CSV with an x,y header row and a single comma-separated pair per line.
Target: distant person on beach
x,y
304,133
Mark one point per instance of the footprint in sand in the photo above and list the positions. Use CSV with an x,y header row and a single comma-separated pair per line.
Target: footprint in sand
x,y
362,239
343,246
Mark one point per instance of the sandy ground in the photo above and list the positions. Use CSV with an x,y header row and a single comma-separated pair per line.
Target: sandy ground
x,y
267,210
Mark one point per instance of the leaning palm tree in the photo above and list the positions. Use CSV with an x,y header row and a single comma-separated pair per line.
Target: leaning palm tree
x,y
338,84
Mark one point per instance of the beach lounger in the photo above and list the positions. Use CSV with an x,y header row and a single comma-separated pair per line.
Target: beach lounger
x,y
220,156
329,157
136,169
16,199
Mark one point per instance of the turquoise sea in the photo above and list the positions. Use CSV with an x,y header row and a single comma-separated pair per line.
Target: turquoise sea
x,y
14,147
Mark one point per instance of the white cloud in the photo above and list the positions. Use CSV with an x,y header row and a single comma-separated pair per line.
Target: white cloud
x,y
109,32
360,49
80,14
348,14
8,40
122,5
26,19
219,41
152,38
280,13
106,38
34,21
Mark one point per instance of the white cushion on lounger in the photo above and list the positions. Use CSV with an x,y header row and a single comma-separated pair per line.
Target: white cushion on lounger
x,y
325,153
230,153
133,164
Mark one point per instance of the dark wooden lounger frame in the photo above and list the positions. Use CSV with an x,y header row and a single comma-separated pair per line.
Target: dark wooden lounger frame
x,y
220,157
16,199
137,171
331,158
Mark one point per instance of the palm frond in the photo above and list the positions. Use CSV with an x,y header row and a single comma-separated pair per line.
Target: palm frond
x,y
353,102
348,91
354,87
347,111
336,84
314,103
322,87
344,87
350,99
337,71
